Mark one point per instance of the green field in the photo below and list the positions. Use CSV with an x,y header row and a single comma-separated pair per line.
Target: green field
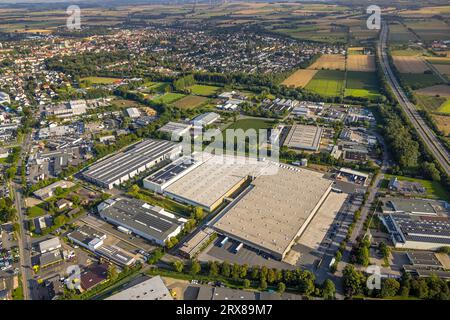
x,y
362,85
419,81
445,107
327,83
99,80
246,124
203,90
35,211
430,103
168,98
433,188
190,102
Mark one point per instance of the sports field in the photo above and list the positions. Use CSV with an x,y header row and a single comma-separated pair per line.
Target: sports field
x,y
361,62
299,78
329,62
251,123
362,85
410,64
203,90
327,83
190,102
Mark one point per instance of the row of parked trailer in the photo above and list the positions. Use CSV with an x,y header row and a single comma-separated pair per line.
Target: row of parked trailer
x,y
236,249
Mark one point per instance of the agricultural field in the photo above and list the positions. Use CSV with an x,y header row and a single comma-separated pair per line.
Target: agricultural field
x,y
329,62
400,34
439,90
445,108
410,64
327,83
99,80
441,64
408,52
300,78
430,103
443,123
426,12
190,102
168,98
356,51
429,29
362,85
203,90
360,62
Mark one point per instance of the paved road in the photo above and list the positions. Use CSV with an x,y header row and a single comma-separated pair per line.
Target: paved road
x,y
425,133
24,239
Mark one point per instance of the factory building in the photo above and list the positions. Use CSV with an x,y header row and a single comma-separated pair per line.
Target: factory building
x,y
304,137
149,222
123,166
417,231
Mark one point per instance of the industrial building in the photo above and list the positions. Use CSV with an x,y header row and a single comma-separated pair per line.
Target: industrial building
x,y
133,112
149,222
49,191
423,207
87,237
67,110
164,177
176,129
49,245
192,247
215,179
417,231
151,289
123,166
304,137
275,210
205,119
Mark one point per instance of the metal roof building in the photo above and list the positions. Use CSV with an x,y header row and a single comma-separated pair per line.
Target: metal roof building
x,y
304,137
123,166
275,209
49,245
150,222
151,289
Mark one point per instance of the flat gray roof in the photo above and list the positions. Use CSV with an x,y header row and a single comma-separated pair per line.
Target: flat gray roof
x,y
304,137
152,289
139,215
212,180
122,164
273,212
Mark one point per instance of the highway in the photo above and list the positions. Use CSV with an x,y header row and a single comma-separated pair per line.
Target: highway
x,y
425,133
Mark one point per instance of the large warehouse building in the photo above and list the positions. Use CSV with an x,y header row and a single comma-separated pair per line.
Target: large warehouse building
x,y
149,222
123,166
215,179
275,210
304,137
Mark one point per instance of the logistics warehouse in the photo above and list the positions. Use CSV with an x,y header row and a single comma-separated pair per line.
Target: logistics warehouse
x,y
149,222
123,166
275,210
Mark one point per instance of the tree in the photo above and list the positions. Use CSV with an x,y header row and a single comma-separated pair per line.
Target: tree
x,y
420,288
178,266
353,279
195,267
328,289
255,272
306,282
225,269
213,269
270,276
281,287
198,213
389,287
246,283
112,273
263,284
243,271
